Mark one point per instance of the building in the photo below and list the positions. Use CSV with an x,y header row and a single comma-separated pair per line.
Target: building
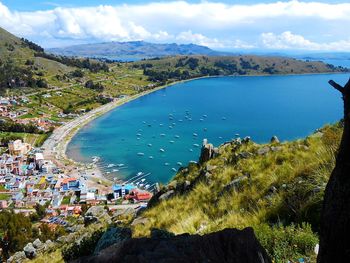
x,y
11,165
120,190
17,147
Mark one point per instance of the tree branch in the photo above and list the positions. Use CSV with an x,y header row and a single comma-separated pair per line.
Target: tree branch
x,y
336,86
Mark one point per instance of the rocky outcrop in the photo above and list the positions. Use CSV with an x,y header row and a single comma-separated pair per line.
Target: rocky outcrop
x,y
112,236
229,245
208,151
335,217
30,250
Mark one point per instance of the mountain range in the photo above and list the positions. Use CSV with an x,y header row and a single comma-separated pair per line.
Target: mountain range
x,y
133,50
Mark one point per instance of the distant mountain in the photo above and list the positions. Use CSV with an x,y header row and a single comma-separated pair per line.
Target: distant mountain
x,y
133,49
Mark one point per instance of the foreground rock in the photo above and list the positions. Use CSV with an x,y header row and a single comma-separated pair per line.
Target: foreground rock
x,y
229,245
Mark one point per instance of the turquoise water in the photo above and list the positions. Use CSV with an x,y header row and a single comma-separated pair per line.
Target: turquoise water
x,y
289,107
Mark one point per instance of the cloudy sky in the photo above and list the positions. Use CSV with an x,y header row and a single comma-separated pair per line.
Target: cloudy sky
x,y
224,25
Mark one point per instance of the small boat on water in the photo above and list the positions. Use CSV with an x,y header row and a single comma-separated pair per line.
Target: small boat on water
x,y
171,141
180,120
174,169
191,150
139,173
223,118
205,116
177,136
149,125
140,154
220,137
150,157
95,159
196,145
115,170
179,163
193,162
120,165
161,124
149,145
110,165
170,127
166,164
237,134
201,120
144,122
161,150
195,134
162,134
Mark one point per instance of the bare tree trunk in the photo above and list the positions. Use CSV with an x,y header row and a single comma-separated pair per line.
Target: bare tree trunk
x,y
335,217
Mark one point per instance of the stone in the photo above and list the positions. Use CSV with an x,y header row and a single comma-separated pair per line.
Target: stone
x,y
37,243
140,220
124,212
210,168
89,220
167,195
228,245
276,148
207,152
112,236
245,155
96,211
264,150
246,139
30,251
17,257
274,139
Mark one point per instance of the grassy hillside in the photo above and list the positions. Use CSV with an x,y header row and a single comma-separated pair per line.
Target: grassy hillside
x,y
277,188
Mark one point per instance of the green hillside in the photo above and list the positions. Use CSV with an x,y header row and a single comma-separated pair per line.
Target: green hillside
x,y
277,188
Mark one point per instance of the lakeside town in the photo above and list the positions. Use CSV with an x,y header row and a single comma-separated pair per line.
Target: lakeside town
x,y
29,177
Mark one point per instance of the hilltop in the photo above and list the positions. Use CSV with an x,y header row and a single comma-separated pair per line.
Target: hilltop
x,y
132,50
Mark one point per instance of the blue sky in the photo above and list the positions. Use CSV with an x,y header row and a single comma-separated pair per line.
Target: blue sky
x,y
272,25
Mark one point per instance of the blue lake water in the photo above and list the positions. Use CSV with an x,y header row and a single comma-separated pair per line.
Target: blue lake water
x,y
289,107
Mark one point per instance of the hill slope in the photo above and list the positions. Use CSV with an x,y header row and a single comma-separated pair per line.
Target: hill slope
x,y
134,49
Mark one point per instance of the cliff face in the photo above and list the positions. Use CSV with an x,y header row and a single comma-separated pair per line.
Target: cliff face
x,y
229,245
335,219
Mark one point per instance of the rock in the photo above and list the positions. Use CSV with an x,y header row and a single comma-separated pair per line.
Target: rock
x,y
246,139
37,243
96,211
29,251
124,212
139,220
228,245
274,139
207,152
210,168
49,243
264,150
245,155
167,195
112,236
89,220
276,148
17,257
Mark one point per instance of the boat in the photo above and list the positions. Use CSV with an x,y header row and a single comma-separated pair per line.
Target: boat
x,y
174,169
120,165
147,186
191,150
223,118
140,154
144,122
204,116
110,165
162,134
161,124
138,134
115,170
150,157
149,125
180,120
196,145
177,136
161,150
193,162
237,134
139,173
201,120
171,141
166,164
195,134
179,163
149,145
220,137
170,127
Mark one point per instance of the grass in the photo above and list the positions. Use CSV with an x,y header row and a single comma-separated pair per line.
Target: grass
x,y
284,188
31,138
4,196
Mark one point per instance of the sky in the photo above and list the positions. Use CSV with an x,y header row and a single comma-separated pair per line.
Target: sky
x,y
222,24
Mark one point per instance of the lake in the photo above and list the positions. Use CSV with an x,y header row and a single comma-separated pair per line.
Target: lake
x,y
159,132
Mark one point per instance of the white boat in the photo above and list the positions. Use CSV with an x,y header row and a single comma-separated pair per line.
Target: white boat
x,y
143,180
140,154
193,162
161,150
120,165
179,163
115,170
138,134
195,134
171,141
139,173
223,118
177,136
147,186
191,150
174,169
151,157
170,127
149,145
201,120
162,134
204,116
161,124
196,145
166,164
110,165
180,120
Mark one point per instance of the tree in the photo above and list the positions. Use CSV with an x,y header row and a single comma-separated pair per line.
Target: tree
x,y
335,216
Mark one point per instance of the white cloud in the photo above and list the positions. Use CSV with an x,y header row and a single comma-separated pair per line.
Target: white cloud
x,y
288,40
216,25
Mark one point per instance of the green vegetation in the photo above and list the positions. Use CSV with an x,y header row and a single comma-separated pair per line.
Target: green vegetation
x,y
276,188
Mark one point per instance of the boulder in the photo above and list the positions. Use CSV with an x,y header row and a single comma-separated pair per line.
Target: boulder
x,y
246,139
274,139
167,195
112,236
30,251
96,211
245,155
37,243
89,220
124,212
264,150
228,245
207,152
17,257
139,220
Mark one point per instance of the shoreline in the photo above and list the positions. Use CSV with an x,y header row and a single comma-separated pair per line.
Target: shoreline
x,y
55,146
